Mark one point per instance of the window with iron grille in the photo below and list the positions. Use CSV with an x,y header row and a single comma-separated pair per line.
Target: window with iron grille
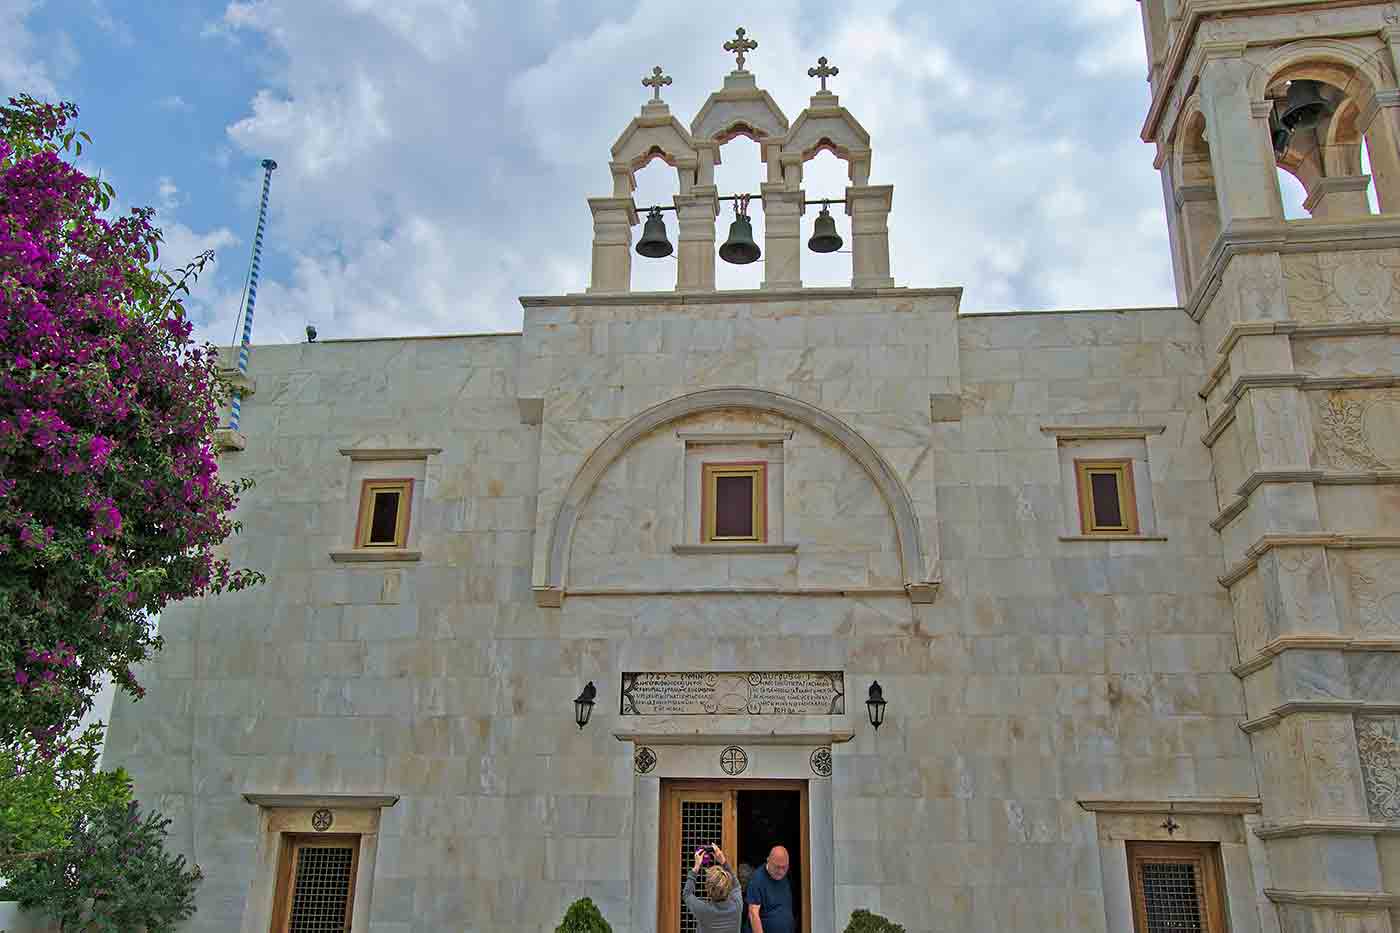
x,y
1176,887
316,884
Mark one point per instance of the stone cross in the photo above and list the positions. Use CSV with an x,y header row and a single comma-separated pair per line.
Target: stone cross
x,y
739,45
822,71
656,82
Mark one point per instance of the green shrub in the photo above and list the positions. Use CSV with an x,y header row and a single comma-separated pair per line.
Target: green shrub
x,y
863,921
583,916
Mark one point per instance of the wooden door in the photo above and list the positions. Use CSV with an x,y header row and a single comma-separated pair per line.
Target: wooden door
x,y
692,815
697,812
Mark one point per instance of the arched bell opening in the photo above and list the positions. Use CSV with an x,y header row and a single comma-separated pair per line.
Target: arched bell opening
x,y
1197,205
1324,125
656,184
739,171
826,175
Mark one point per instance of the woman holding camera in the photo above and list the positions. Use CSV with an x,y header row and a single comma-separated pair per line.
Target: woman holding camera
x,y
720,910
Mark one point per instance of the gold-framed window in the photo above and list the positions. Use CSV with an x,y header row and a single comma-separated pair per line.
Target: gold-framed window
x,y
734,502
384,512
315,883
1107,502
1176,886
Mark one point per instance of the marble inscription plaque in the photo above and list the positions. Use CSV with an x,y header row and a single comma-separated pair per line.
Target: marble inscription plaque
x,y
764,693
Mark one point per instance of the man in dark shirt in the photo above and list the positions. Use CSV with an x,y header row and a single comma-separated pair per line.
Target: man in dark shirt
x,y
768,900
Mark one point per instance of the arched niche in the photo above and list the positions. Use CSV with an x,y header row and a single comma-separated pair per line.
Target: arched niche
x,y
909,543
1326,160
826,125
653,134
741,108
1193,175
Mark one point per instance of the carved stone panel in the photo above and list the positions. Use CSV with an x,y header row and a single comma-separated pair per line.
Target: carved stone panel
x,y
1358,430
761,693
1378,742
1350,287
1333,789
1373,578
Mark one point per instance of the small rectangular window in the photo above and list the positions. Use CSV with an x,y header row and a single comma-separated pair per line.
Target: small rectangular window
x,y
384,510
1176,887
316,884
1107,504
735,502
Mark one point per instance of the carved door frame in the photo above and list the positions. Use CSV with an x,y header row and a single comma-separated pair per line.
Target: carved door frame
x,y
673,791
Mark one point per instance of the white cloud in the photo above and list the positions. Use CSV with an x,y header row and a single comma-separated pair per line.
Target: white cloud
x,y
167,193
23,64
438,172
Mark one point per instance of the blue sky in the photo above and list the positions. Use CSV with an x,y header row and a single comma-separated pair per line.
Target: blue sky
x,y
435,155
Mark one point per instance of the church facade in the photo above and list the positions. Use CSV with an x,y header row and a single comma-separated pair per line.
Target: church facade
x,y
1054,621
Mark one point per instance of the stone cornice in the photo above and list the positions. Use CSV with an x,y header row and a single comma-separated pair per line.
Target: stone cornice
x,y
1317,642
1285,380
1201,806
385,556
347,801
1317,477
736,296
1325,828
851,591
1268,542
1101,432
1287,236
1294,707
1294,331
735,437
1350,900
389,453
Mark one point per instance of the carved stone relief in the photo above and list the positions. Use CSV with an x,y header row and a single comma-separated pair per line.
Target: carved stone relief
x,y
1375,588
1325,747
1378,742
1359,430
1350,287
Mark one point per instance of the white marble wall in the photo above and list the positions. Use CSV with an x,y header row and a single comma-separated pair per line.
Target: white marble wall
x,y
1046,670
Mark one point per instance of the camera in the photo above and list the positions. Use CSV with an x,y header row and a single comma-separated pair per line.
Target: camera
x,y
707,854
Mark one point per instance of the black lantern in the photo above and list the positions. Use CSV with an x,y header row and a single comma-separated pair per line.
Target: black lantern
x,y
875,704
583,706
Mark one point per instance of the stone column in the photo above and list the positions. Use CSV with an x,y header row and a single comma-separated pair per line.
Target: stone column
x,y
1381,138
1241,151
613,220
869,209
695,253
1339,198
782,236
1200,225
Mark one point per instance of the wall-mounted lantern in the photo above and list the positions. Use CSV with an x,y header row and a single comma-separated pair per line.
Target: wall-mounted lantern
x,y
583,706
875,704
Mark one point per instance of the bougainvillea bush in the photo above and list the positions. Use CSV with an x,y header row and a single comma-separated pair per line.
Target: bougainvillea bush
x,y
110,503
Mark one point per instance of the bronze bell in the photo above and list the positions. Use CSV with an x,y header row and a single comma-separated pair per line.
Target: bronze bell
x,y
740,249
1280,136
824,239
1303,106
653,243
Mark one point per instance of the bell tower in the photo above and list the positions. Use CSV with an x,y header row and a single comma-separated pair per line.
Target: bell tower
x,y
1300,322
741,108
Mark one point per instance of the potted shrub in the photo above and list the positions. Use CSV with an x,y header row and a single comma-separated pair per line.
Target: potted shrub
x,y
583,916
863,921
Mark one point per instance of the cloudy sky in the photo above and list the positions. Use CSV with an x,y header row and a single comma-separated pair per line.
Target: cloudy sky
x,y
435,155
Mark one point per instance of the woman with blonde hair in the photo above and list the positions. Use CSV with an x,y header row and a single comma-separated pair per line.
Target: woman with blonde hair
x,y
720,910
